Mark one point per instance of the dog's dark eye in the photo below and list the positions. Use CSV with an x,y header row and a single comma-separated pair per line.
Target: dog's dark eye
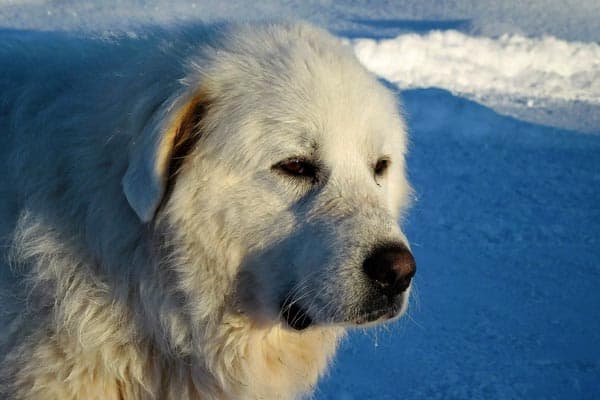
x,y
381,166
297,167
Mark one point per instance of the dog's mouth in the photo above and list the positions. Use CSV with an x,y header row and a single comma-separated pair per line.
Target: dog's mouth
x,y
295,316
378,315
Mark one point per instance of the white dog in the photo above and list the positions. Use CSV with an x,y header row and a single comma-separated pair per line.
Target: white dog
x,y
193,215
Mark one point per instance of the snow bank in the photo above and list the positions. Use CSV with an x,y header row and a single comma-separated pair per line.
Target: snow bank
x,y
526,70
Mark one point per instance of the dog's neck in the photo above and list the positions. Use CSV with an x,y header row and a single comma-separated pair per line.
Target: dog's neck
x,y
235,349
226,350
292,360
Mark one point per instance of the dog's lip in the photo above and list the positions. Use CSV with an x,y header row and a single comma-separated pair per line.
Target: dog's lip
x,y
295,315
379,314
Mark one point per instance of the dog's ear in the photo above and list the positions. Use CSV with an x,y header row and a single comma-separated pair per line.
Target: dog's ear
x,y
157,155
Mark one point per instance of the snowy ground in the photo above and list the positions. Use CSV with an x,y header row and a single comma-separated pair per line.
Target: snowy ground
x,y
506,229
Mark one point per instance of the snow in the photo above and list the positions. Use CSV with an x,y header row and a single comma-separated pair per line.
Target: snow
x,y
506,228
502,72
567,19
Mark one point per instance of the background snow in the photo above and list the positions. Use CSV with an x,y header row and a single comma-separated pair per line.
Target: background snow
x,y
544,80
513,65
506,229
508,73
567,19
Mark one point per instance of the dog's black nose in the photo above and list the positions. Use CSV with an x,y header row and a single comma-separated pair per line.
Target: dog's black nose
x,y
391,267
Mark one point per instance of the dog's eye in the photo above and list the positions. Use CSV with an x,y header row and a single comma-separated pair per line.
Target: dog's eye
x,y
297,167
381,166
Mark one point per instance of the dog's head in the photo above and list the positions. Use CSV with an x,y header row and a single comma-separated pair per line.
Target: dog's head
x,y
280,170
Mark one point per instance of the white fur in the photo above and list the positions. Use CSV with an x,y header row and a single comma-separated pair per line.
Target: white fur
x,y
115,286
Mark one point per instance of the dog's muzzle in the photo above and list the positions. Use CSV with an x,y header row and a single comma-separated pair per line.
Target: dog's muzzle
x,y
388,272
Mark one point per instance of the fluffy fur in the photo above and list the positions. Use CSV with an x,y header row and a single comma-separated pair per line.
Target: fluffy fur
x,y
149,237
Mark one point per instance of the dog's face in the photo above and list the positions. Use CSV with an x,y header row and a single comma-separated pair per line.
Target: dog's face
x,y
328,183
299,173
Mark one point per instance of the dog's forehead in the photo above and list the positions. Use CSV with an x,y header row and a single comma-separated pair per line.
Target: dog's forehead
x,y
305,96
330,117
342,127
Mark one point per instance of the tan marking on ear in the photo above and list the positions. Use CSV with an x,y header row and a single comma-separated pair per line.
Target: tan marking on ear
x,y
181,131
179,140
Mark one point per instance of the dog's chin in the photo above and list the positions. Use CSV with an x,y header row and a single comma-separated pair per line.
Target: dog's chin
x,y
378,316
382,312
298,318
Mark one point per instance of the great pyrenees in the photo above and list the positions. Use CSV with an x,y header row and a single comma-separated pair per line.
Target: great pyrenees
x,y
198,214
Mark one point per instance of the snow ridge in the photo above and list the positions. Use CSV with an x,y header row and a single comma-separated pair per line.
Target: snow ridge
x,y
524,69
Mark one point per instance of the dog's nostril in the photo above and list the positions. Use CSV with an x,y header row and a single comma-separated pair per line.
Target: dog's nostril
x,y
391,267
